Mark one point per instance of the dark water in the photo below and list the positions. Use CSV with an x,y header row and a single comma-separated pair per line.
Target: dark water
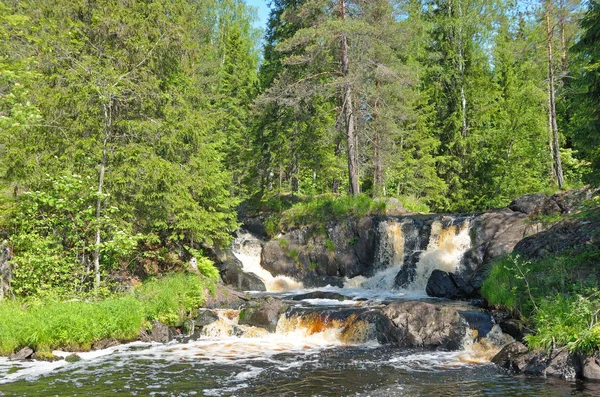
x,y
237,368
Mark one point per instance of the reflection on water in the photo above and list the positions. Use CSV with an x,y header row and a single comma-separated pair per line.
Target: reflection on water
x,y
227,368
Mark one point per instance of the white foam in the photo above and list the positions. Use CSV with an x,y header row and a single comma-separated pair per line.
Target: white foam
x,y
247,249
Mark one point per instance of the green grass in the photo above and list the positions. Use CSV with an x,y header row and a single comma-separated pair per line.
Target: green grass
x,y
317,211
558,296
76,325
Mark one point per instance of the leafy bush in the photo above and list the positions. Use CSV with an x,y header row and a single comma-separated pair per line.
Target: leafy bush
x,y
52,231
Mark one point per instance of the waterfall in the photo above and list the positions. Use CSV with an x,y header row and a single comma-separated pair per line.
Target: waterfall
x,y
247,250
410,248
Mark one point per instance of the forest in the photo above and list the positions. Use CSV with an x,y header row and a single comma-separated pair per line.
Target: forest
x,y
133,132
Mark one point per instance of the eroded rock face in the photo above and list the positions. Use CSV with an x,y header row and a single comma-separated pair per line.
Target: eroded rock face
x,y
449,285
159,333
423,324
345,250
263,314
565,235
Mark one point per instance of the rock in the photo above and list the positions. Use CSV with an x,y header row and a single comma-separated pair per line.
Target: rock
x,y
320,295
568,234
423,324
535,204
562,365
264,314
22,354
232,274
590,367
160,333
45,356
72,358
105,344
205,317
518,359
443,284
226,297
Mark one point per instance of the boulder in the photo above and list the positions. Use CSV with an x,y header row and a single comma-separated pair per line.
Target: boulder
x,y
320,295
263,314
105,344
423,324
535,204
443,284
72,358
226,297
45,356
518,359
160,333
590,367
564,365
22,354
494,234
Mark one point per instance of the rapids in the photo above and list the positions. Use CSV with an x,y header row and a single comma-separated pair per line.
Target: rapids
x,y
321,346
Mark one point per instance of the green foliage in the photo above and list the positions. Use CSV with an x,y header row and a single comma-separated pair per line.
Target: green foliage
x,y
558,295
330,245
78,324
318,211
172,299
53,237
414,204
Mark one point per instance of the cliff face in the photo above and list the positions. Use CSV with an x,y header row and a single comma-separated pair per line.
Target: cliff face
x,y
446,254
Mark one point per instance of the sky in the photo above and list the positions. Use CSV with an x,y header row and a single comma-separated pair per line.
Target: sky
x,y
262,8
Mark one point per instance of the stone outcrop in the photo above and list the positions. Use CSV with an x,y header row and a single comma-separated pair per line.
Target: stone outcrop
x,y
559,363
263,314
422,324
346,249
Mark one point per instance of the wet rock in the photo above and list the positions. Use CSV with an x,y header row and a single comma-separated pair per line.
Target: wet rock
x,y
514,328
423,324
562,365
160,333
72,358
205,317
226,297
443,284
22,354
590,366
494,234
263,314
518,359
45,356
105,344
320,295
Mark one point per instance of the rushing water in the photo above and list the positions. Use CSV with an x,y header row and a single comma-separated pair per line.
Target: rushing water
x,y
315,351
242,367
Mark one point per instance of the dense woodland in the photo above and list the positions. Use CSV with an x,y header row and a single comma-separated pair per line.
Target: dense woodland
x,y
131,131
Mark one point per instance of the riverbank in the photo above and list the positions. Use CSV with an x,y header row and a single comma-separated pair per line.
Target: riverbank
x,y
78,325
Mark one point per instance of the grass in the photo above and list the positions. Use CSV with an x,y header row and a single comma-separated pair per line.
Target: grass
x,y
558,296
76,325
317,211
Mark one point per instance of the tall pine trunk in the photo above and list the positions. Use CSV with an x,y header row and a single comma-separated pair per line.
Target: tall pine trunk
x,y
557,163
348,112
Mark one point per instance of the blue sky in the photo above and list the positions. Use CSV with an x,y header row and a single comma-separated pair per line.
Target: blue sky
x,y
262,8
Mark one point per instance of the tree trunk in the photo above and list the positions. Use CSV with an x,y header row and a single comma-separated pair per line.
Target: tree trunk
x,y
377,156
557,162
107,132
461,68
348,112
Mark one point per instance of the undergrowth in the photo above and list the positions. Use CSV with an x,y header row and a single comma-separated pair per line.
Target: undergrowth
x,y
76,325
558,296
